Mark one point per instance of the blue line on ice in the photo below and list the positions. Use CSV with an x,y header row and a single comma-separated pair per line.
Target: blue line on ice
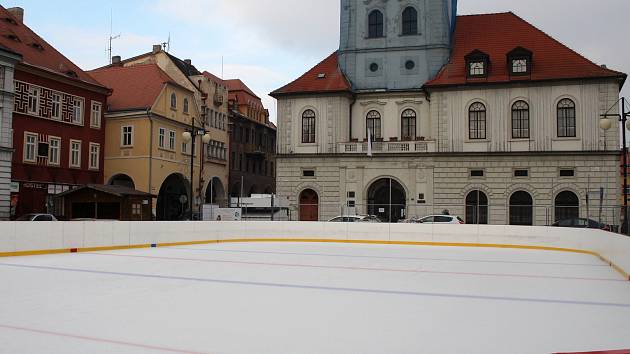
x,y
327,288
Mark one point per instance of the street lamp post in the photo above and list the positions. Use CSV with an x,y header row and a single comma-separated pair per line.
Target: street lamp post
x,y
189,137
605,123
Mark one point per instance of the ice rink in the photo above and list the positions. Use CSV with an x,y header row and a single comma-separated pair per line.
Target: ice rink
x,y
312,298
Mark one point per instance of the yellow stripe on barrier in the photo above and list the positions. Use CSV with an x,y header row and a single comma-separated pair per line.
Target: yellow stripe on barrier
x,y
316,240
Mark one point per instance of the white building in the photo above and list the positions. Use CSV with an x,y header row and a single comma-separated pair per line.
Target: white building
x,y
8,60
506,130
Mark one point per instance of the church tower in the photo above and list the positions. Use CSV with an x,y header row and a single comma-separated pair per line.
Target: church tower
x,y
394,44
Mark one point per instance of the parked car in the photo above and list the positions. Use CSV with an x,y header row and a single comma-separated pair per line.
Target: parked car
x,y
439,219
36,217
355,218
581,223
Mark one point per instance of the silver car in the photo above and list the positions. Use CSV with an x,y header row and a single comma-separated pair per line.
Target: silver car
x,y
36,217
440,219
355,218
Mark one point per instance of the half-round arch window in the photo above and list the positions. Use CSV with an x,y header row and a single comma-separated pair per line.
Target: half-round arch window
x,y
373,125
185,105
375,24
409,21
566,119
408,124
477,121
520,120
567,206
308,126
173,100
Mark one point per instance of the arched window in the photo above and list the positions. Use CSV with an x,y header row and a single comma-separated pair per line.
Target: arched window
x,y
409,21
173,100
477,208
567,206
375,24
520,120
521,209
477,121
308,126
373,124
566,119
185,105
408,128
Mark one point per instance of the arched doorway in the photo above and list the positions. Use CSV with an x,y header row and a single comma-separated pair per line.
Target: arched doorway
x,y
521,209
173,202
477,208
122,180
567,206
215,193
309,205
387,199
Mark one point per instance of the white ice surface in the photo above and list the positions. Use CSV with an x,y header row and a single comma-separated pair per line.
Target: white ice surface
x,y
312,298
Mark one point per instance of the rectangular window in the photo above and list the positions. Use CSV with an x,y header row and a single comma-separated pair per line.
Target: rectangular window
x,y
210,120
30,146
567,173
185,147
127,136
171,140
56,106
351,194
519,66
477,68
95,121
477,173
33,100
521,173
54,151
77,113
162,138
95,154
308,173
75,153
136,209
2,77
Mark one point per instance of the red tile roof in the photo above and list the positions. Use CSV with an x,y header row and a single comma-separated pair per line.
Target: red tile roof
x,y
135,87
498,34
324,77
213,77
235,85
35,51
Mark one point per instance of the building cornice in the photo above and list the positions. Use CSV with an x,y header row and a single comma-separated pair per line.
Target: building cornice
x,y
48,74
457,154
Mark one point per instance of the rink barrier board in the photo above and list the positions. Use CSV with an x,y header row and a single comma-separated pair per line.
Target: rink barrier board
x,y
64,237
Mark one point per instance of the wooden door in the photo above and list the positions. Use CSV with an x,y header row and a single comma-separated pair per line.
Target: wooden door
x,y
309,205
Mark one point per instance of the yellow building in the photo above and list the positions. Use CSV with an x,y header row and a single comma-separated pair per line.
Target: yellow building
x,y
147,115
211,97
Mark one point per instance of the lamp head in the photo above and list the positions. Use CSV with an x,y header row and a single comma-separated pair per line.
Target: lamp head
x,y
187,137
206,138
605,123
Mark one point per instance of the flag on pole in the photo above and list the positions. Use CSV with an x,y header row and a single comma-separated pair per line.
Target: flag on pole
x,y
369,145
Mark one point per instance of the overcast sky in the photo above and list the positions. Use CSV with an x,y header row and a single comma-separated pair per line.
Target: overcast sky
x,y
268,43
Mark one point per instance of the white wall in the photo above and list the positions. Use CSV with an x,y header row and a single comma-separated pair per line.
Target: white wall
x,y
31,236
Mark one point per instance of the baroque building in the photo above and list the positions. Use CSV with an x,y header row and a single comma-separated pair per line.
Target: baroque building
x,y
421,111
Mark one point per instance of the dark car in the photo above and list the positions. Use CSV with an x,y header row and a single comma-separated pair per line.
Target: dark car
x,y
581,223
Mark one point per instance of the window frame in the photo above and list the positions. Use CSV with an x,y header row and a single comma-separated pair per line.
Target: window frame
x,y
96,115
376,25
123,134
477,117
52,162
410,123
309,126
172,140
26,145
519,116
185,105
564,114
162,138
34,92
173,101
71,163
94,165
374,121
58,104
409,25
78,107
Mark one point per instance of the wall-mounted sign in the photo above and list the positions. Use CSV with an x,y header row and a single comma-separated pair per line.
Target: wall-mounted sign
x,y
29,185
14,187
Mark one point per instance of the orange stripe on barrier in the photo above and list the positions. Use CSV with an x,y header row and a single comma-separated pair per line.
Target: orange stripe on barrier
x,y
317,240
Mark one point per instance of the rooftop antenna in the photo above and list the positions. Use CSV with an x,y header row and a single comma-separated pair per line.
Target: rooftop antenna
x,y
222,68
167,45
111,35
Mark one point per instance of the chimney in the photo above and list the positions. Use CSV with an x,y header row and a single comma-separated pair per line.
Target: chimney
x,y
116,60
18,13
604,66
188,62
157,48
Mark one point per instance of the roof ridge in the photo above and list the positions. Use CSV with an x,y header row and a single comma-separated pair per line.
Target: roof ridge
x,y
487,14
334,53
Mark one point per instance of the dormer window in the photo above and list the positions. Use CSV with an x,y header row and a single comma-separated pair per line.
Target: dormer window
x,y
520,61
477,63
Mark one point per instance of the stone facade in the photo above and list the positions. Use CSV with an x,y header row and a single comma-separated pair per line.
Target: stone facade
x,y
7,67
